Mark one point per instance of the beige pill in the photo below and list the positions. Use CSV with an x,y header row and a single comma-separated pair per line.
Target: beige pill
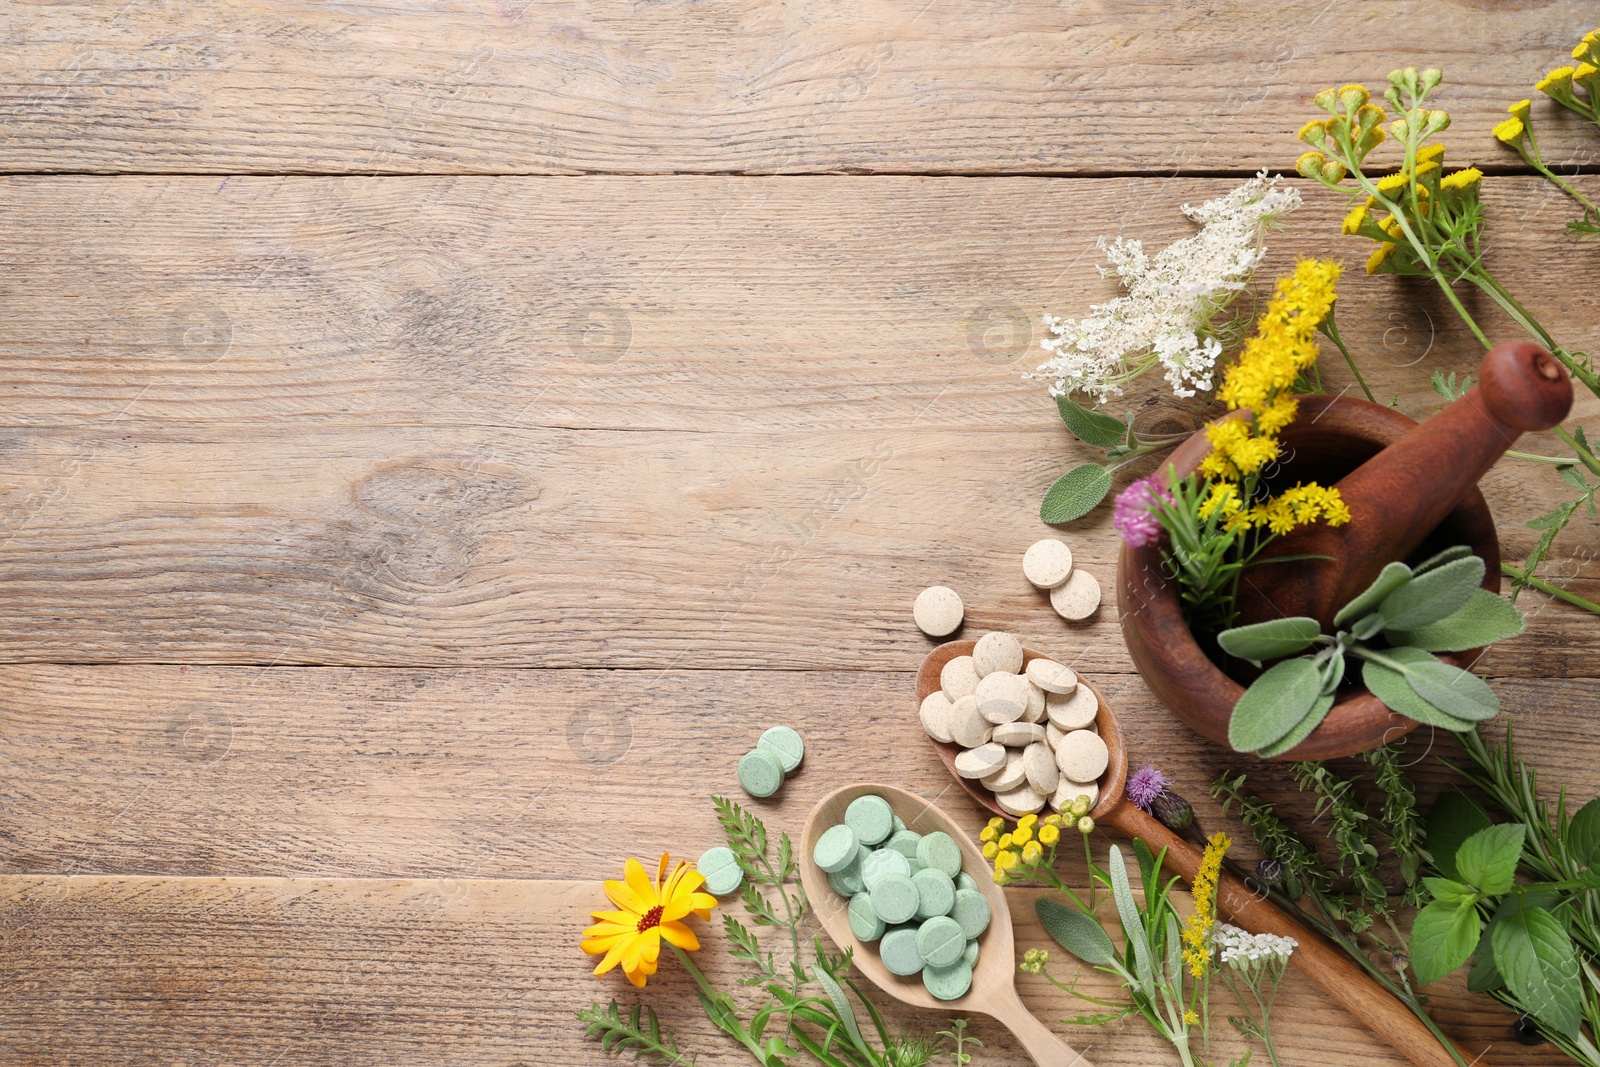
x,y
1047,563
1082,756
981,762
1019,801
1067,791
1051,676
1075,711
1017,734
1053,735
938,611
1002,697
936,717
1036,704
967,727
997,651
1039,764
958,679
1008,777
1078,597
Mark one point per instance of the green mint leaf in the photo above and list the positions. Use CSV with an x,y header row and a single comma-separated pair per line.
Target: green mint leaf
x,y
1485,619
1456,692
1313,719
1272,639
1429,597
1080,934
1075,493
1442,937
1449,555
1453,818
1392,577
1275,704
1391,687
1483,977
1583,834
1450,891
1091,427
1488,859
1534,955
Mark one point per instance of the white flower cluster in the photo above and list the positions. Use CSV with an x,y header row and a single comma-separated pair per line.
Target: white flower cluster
x,y
1240,947
1166,316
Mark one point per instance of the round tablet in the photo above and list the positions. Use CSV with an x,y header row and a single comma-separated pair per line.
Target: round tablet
x,y
864,922
1039,764
948,983
941,941
1017,734
869,816
881,864
938,611
1074,711
1051,676
958,678
965,881
971,910
722,871
940,851
898,950
935,714
997,651
1036,704
835,849
846,881
1078,597
760,773
1068,791
784,743
1082,756
1020,801
936,893
905,843
1002,697
899,824
982,761
1047,563
969,955
969,728
894,898
1008,777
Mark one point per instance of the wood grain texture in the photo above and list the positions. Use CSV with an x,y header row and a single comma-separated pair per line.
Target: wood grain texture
x,y
252,421
515,86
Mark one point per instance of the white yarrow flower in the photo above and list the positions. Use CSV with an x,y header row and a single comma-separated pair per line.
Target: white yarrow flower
x,y
1241,948
1166,317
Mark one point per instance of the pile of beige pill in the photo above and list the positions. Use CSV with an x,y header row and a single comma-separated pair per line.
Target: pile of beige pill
x,y
1027,734
1074,592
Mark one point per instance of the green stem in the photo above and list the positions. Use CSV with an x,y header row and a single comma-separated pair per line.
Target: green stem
x,y
1332,332
1559,461
1544,586
733,1029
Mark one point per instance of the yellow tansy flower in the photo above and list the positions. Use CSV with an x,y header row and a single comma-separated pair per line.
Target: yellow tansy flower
x,y
1521,110
1027,822
1049,834
1390,183
1191,1017
1558,80
1430,153
989,850
1375,260
1022,835
1461,179
1509,131
1352,222
1031,852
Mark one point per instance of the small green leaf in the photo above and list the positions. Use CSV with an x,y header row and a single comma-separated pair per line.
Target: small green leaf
x,y
1488,859
1091,427
1392,577
1583,835
1486,618
1453,818
1272,639
1483,977
1079,934
1534,955
1391,687
1427,598
1450,891
1367,627
1132,925
1075,493
1456,692
1442,937
1449,555
1275,703
1313,719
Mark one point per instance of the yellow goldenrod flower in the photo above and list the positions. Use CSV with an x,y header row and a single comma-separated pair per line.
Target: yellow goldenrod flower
x,y
1509,131
1557,82
1049,834
1031,852
649,915
1277,413
1223,498
990,849
1197,932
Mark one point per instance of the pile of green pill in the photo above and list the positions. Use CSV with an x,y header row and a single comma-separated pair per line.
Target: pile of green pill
x,y
776,756
908,893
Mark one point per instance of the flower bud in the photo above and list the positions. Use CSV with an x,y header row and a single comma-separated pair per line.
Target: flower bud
x,y
1310,164
1315,134
1173,812
1438,121
1327,100
1269,872
1086,825
1431,78
1400,129
1352,97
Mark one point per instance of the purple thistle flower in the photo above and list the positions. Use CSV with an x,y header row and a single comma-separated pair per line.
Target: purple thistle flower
x,y
1145,785
1134,515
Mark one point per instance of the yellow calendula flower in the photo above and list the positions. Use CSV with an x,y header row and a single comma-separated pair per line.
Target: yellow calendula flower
x,y
1197,932
648,915
1509,131
1049,834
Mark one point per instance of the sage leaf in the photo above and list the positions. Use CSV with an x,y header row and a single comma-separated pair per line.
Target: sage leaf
x,y
1091,427
1442,937
1367,627
1080,934
1488,859
1454,691
1449,555
1132,924
1390,686
1075,493
1484,619
1453,818
1272,639
1427,598
1275,703
1534,955
1331,671
1583,834
1313,719
1389,579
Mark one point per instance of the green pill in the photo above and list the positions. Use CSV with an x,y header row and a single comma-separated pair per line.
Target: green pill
x,y
969,955
869,816
936,893
940,851
864,922
965,881
905,843
760,773
721,871
786,745
899,824
835,848
941,942
846,881
971,910
883,862
948,983
894,898
898,950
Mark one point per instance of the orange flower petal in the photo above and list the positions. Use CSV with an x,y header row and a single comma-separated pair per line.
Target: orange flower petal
x,y
639,882
596,946
614,955
622,918
689,903
680,935
661,872
636,977
624,897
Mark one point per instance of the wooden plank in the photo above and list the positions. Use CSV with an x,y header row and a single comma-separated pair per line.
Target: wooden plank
x,y
135,971
249,425
513,86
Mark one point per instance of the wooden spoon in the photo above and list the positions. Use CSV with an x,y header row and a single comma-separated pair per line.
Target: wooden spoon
x,y
1317,958
994,991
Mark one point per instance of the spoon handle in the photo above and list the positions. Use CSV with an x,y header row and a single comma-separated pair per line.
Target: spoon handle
x,y
1046,1049
1317,958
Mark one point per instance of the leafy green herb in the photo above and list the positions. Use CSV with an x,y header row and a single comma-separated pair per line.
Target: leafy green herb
x,y
620,1033
957,1036
1081,489
1075,493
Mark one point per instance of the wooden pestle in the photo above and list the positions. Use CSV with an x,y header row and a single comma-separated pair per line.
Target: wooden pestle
x,y
1397,497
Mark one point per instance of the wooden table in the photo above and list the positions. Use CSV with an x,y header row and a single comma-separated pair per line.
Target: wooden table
x,y
438,437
